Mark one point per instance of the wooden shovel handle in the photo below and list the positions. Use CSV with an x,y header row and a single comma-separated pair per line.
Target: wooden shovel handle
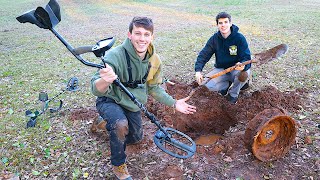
x,y
232,68
228,70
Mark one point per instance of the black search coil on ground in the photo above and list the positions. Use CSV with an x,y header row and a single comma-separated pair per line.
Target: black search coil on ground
x,y
73,85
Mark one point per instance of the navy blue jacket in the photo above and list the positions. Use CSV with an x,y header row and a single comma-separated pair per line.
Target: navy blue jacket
x,y
227,51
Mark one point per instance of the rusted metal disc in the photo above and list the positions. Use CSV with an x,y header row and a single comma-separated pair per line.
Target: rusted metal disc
x,y
243,76
270,134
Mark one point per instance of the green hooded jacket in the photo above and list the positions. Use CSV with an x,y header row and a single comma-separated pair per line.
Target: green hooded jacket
x,y
116,58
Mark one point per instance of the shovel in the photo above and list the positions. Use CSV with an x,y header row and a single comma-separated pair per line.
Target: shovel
x,y
259,59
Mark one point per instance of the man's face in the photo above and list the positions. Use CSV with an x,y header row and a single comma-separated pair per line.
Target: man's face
x,y
141,39
224,26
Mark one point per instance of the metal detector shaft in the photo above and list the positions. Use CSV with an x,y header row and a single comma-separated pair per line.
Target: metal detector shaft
x,y
116,82
140,105
71,49
164,136
151,116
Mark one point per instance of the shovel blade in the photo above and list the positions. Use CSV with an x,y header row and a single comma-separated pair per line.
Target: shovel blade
x,y
271,54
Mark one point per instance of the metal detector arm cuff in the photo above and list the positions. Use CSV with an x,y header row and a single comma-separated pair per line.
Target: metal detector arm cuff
x,y
28,17
82,50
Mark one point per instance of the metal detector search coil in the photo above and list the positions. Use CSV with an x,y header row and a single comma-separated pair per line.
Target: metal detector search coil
x,y
72,85
182,148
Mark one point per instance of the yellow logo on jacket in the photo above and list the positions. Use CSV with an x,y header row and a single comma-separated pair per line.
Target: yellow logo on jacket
x,y
233,50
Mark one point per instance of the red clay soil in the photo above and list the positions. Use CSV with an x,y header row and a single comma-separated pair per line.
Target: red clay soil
x,y
214,113
215,116
83,114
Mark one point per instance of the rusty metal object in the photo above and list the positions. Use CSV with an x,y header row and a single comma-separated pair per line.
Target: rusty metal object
x,y
270,134
243,76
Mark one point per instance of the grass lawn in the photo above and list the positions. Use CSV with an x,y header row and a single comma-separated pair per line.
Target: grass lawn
x,y
32,60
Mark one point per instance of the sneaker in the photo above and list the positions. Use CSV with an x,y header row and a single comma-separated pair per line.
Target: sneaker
x,y
245,86
231,99
98,123
122,172
223,92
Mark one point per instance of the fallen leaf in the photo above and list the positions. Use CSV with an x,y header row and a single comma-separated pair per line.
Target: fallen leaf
x,y
302,117
4,160
228,159
36,173
31,160
85,175
10,111
308,140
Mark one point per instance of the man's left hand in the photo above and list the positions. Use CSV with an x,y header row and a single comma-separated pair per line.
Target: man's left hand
x,y
183,107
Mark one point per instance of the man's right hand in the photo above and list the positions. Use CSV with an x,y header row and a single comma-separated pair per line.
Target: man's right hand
x,y
199,77
107,74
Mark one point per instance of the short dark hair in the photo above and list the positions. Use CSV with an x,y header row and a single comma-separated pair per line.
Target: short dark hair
x,y
223,15
144,22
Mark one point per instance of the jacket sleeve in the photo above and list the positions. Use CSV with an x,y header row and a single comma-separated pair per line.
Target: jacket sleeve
x,y
155,79
96,76
244,53
205,55
94,90
158,93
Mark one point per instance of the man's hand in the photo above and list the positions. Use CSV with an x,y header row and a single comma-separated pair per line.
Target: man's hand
x,y
199,77
239,66
107,74
183,107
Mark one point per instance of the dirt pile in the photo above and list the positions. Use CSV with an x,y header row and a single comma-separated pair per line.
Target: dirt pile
x,y
218,120
215,114
215,118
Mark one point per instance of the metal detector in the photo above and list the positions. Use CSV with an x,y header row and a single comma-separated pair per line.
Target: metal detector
x,y
72,85
171,141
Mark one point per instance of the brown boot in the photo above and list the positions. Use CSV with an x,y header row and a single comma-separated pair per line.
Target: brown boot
x,y
122,172
98,123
